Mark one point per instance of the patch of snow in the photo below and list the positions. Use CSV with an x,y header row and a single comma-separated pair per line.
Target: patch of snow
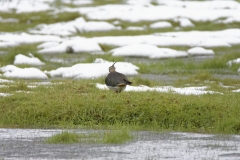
x,y
77,44
8,44
78,3
135,28
47,45
236,61
224,38
200,51
184,22
185,90
24,6
12,71
232,19
237,90
22,59
14,39
60,28
5,94
213,5
97,26
147,50
200,11
157,25
92,70
73,27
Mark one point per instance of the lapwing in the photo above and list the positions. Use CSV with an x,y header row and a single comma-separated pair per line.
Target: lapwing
x,y
116,81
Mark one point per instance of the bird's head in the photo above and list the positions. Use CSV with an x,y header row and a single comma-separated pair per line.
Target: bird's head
x,y
112,67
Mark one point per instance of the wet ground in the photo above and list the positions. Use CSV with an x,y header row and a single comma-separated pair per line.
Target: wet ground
x,y
29,144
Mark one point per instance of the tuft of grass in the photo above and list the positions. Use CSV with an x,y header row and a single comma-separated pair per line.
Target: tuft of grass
x,y
116,137
64,137
109,137
141,81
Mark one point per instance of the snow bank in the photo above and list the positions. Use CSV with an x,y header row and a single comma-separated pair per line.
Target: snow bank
x,y
14,39
73,27
184,22
200,51
22,59
147,50
157,25
96,69
24,6
74,45
208,39
236,61
12,71
196,11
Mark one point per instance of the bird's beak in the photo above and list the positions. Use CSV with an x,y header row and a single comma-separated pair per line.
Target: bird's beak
x,y
114,63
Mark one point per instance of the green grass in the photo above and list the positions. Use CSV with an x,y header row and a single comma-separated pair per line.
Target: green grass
x,y
27,20
105,137
217,64
64,137
80,103
191,65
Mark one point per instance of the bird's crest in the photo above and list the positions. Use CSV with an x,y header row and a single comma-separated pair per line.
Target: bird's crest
x,y
112,67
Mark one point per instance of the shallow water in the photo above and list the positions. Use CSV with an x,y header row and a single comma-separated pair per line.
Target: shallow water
x,y
29,144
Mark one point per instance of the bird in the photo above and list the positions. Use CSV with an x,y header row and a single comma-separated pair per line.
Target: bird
x,y
116,81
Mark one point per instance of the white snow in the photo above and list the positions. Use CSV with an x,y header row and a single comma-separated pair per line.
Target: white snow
x,y
147,50
73,27
11,71
235,61
208,39
213,5
60,28
196,11
157,25
79,2
78,44
22,59
185,90
200,51
184,22
96,69
230,20
14,39
5,94
24,6
135,28
237,90
93,26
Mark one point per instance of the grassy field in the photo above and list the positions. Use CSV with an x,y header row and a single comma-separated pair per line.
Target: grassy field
x,y
75,103
78,103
